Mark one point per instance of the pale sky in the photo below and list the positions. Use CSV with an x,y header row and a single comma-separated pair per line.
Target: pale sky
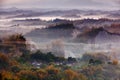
x,y
68,4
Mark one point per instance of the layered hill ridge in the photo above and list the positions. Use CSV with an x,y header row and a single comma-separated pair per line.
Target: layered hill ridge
x,y
94,31
100,34
60,31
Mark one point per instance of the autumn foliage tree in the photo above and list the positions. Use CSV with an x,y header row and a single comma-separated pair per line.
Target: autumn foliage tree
x,y
42,74
72,75
92,72
4,61
14,45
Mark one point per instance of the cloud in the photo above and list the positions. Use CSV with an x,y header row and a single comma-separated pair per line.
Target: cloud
x,y
74,1
1,1
118,1
12,1
64,3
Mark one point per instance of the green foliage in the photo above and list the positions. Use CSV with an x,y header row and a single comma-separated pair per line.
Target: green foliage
x,y
15,69
95,62
93,72
4,61
70,59
48,57
97,58
27,75
20,67
53,77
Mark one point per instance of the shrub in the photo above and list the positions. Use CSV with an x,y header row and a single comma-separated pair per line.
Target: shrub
x,y
115,62
4,61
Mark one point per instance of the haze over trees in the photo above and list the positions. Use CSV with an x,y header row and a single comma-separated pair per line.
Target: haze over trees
x,y
46,66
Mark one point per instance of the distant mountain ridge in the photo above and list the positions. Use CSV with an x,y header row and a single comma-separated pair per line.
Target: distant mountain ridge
x,y
70,31
99,35
74,13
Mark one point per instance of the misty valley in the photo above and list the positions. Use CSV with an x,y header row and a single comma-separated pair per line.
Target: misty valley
x,y
44,44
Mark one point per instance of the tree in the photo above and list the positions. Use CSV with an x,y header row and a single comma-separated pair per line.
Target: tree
x,y
93,72
27,75
6,75
70,59
42,73
4,61
72,75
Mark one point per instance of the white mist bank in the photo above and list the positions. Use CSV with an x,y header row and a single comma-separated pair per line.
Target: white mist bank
x,y
6,23
68,49
48,18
